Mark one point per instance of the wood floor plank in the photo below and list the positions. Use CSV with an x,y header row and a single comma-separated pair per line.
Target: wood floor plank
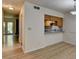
x,y
58,51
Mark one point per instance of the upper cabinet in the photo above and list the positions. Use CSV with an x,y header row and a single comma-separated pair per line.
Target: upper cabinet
x,y
48,20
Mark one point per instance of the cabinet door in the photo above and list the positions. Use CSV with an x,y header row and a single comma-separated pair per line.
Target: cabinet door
x,y
60,22
48,18
47,23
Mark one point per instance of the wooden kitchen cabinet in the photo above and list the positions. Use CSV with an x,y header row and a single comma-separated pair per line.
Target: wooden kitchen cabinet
x,y
60,22
50,19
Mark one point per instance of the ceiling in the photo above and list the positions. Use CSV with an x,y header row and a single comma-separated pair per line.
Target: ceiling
x,y
16,4
63,6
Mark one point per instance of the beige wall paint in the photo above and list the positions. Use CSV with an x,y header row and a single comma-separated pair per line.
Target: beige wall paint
x,y
21,29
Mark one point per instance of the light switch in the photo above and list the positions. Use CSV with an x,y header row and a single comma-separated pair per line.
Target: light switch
x,y
29,28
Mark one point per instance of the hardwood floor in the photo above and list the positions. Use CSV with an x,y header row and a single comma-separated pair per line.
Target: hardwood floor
x,y
57,51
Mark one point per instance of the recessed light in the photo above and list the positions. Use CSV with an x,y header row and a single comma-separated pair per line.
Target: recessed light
x,y
73,12
11,8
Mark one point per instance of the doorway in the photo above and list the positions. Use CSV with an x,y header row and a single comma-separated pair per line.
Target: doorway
x,y
10,34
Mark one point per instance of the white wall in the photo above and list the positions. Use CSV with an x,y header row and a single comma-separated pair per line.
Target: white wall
x,y
53,38
70,29
34,37
34,28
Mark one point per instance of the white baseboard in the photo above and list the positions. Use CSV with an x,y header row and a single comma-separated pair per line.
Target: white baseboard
x,y
70,43
28,51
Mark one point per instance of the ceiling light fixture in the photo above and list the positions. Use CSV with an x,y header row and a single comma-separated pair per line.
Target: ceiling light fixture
x,y
11,8
73,12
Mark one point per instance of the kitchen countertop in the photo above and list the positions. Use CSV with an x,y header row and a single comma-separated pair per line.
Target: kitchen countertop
x,y
50,32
